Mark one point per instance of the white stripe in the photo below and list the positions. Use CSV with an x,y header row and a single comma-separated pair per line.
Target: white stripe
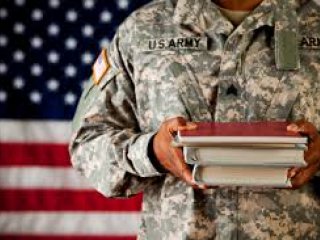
x,y
35,131
41,177
69,223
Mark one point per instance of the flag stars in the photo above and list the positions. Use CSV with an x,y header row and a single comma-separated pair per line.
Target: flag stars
x,y
87,30
105,16
3,96
18,83
18,28
53,29
71,15
88,4
104,43
37,15
123,4
53,57
87,58
53,85
3,68
36,42
20,2
54,3
18,56
3,13
70,71
70,98
35,97
3,41
71,43
36,70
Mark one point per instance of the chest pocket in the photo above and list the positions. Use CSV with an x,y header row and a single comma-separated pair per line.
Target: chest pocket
x,y
270,93
172,77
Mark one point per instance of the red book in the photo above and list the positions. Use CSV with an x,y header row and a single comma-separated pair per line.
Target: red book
x,y
240,133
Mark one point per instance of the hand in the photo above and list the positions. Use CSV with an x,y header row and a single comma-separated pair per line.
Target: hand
x,y
171,158
300,176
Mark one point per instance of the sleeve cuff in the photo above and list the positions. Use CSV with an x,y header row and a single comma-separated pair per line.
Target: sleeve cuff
x,y
139,154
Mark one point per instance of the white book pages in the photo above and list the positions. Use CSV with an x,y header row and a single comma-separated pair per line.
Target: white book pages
x,y
241,176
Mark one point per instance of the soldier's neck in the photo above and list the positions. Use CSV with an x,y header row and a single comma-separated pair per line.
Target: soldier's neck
x,y
240,5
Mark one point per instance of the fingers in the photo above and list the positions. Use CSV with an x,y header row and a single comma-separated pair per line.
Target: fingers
x,y
304,175
179,124
303,127
183,170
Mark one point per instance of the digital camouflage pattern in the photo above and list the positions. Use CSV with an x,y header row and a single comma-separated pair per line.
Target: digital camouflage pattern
x,y
159,71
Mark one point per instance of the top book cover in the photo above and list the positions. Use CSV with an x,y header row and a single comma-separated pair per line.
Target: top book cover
x,y
240,133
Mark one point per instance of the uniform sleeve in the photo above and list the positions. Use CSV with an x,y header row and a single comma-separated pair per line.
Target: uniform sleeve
x,y
107,145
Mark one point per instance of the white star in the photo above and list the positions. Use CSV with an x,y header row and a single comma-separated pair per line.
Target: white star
x,y
87,58
20,2
54,3
53,29
71,43
18,56
3,96
70,71
35,97
88,4
70,98
83,84
123,4
71,15
18,83
87,30
36,42
3,41
106,16
3,68
37,14
3,13
36,70
53,85
53,57
18,28
104,43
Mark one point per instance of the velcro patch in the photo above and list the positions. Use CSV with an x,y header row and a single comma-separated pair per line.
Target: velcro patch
x,y
100,67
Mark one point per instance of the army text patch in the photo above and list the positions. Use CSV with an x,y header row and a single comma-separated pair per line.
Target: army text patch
x,y
100,67
310,42
177,43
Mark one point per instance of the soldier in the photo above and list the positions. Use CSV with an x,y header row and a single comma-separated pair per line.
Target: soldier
x,y
174,62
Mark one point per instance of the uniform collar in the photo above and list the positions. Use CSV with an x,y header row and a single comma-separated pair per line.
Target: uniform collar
x,y
190,12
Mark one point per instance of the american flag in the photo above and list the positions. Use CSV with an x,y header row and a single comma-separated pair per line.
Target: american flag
x,y
47,49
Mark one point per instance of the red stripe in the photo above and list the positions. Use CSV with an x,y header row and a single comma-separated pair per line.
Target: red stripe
x,y
16,154
64,200
25,237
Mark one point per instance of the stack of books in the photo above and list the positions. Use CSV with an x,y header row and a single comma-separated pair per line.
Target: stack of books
x,y
242,154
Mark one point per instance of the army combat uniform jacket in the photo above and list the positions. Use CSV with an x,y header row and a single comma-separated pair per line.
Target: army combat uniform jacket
x,y
184,58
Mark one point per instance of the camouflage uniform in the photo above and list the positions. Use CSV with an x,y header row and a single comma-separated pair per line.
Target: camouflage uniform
x,y
183,58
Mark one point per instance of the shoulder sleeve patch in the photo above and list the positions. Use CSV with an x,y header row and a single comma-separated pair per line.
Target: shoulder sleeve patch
x,y
100,67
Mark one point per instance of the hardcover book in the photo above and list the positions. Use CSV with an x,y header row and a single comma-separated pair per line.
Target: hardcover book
x,y
241,176
215,133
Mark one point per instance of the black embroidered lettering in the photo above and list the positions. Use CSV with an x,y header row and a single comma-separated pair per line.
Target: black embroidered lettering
x,y
197,41
180,42
172,43
152,44
161,43
304,42
312,42
188,42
